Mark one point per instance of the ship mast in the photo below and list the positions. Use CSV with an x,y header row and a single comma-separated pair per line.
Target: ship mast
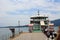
x,y
38,12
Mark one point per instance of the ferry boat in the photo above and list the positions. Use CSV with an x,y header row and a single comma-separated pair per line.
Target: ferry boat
x,y
38,23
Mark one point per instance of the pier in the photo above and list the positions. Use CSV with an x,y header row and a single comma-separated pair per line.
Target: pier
x,y
30,36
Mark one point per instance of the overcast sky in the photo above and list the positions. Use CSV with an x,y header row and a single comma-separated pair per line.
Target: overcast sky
x,y
13,10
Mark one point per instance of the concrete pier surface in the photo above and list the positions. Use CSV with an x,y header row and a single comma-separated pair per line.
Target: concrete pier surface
x,y
30,36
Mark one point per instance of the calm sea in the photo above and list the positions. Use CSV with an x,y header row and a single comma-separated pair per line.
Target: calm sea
x,y
5,33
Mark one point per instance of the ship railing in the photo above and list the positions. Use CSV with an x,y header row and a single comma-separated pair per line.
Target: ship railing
x,y
39,20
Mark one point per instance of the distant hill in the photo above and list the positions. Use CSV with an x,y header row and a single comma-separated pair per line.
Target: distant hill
x,y
14,26
56,22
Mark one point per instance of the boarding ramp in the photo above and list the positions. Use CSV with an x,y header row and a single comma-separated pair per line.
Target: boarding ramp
x,y
42,23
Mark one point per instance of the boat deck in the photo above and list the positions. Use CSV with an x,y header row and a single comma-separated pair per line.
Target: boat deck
x,y
30,36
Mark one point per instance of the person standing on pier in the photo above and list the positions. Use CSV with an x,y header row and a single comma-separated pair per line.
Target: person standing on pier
x,y
30,28
51,33
13,32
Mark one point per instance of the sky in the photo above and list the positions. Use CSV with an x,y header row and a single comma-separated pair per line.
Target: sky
x,y
13,10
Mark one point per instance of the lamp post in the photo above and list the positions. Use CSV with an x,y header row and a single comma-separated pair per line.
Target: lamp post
x,y
19,26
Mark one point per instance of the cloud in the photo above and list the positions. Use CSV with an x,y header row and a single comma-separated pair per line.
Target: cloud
x,y
13,10
11,5
10,20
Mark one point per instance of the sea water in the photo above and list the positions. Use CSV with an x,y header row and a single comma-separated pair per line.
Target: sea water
x,y
56,28
5,33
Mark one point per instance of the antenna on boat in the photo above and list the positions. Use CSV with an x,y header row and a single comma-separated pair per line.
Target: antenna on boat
x,y
38,12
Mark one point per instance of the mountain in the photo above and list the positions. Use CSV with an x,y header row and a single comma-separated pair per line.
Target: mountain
x,y
56,22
